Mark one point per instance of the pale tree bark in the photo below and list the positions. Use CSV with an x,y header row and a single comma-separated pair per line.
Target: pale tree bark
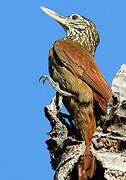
x,y
108,144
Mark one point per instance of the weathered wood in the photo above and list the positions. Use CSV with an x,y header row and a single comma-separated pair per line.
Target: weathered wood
x,y
108,144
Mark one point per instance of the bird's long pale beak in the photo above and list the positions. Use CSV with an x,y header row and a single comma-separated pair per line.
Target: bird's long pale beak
x,y
60,19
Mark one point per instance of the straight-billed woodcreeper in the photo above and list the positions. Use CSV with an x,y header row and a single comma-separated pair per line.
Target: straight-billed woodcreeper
x,y
77,78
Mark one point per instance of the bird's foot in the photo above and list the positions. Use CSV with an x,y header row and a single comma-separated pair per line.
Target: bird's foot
x,y
55,85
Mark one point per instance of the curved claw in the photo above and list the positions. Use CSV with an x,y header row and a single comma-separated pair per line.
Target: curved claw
x,y
55,85
44,78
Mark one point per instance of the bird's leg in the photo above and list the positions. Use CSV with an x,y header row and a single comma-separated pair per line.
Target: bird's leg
x,y
59,93
55,85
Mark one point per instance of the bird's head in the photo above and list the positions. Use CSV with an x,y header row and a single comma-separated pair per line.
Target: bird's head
x,y
78,28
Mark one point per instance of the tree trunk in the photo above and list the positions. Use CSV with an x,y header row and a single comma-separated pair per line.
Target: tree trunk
x,y
108,144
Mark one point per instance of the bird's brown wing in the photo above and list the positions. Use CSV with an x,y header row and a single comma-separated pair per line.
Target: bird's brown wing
x,y
82,64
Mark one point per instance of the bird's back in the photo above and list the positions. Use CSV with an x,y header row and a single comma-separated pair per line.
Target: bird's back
x,y
69,56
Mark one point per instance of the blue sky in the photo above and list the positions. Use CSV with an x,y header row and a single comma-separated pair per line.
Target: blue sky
x,y
26,34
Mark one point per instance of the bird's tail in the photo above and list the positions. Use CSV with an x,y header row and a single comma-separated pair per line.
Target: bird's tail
x,y
87,166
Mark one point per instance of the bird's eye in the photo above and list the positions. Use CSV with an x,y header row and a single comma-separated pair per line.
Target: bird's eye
x,y
74,17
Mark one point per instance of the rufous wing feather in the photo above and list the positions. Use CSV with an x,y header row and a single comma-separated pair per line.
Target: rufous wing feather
x,y
75,58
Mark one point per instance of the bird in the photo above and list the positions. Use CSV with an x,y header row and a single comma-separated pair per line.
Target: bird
x,y
76,76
